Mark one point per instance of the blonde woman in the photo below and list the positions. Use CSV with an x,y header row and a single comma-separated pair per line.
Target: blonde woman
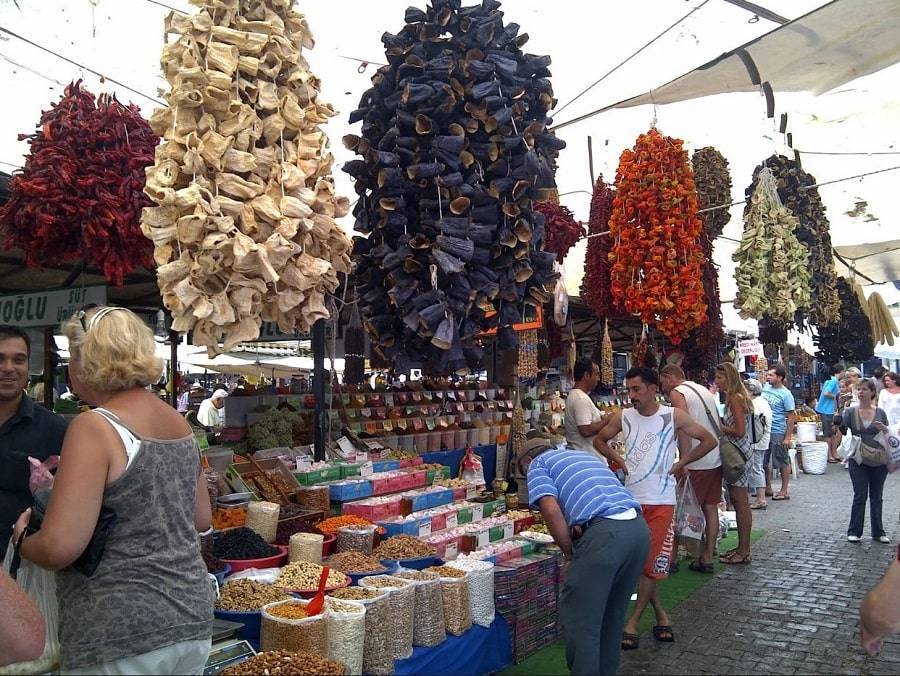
x,y
147,608
736,428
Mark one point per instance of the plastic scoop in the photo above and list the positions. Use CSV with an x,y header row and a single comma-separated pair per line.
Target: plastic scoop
x,y
315,606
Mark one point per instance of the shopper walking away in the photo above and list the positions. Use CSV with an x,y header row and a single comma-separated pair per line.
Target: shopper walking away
x,y
827,407
866,421
783,417
650,432
586,508
889,397
210,413
147,608
706,473
879,614
736,428
583,419
26,429
760,435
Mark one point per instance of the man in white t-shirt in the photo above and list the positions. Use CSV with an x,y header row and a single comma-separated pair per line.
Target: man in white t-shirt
x,y
706,473
583,420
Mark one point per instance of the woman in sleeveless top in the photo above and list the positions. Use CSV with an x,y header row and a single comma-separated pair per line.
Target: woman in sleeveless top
x,y
148,606
735,427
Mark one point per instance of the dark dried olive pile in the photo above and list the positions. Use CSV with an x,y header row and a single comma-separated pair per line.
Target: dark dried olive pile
x,y
713,182
814,232
850,339
242,543
454,149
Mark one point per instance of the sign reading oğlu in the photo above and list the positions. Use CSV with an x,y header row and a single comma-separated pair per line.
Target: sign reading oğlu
x,y
48,308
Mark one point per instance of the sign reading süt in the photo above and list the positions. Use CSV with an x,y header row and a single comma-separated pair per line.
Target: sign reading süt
x,y
48,308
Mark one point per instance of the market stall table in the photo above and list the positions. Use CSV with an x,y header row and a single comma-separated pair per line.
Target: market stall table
x,y
480,650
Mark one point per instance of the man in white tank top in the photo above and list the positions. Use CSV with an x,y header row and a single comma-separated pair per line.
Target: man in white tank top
x,y
650,432
706,473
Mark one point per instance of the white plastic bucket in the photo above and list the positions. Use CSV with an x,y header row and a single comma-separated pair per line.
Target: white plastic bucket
x,y
806,432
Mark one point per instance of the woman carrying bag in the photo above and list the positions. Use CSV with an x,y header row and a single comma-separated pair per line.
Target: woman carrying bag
x,y
868,468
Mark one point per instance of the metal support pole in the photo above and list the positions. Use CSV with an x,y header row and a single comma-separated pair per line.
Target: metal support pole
x,y
48,367
174,337
591,158
320,421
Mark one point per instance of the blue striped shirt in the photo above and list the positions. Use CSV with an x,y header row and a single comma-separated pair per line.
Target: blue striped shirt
x,y
581,483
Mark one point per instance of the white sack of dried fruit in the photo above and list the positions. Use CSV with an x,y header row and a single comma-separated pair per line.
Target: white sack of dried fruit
x,y
244,229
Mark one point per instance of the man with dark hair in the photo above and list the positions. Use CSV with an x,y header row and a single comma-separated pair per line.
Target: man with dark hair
x,y
583,419
650,434
26,429
827,407
783,417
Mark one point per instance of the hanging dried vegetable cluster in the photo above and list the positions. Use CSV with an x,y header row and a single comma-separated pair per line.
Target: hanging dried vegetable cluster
x,y
245,227
528,355
701,349
640,350
354,349
850,339
772,271
79,195
657,262
563,231
713,188
814,232
595,287
884,329
607,374
455,147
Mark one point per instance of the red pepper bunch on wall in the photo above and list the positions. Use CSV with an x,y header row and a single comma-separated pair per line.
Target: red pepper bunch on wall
x,y
562,230
80,194
656,256
595,287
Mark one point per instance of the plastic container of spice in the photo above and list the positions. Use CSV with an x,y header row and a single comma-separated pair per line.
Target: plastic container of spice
x,y
356,539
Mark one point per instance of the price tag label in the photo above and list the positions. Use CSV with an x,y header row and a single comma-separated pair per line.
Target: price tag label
x,y
346,446
374,445
452,550
425,528
477,512
361,457
452,520
483,539
507,530
303,462
366,469
471,492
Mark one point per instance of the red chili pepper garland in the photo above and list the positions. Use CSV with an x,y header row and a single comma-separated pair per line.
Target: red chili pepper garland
x,y
657,261
595,288
562,230
701,349
80,193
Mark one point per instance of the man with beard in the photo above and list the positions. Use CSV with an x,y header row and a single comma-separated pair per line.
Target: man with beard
x,y
651,431
26,429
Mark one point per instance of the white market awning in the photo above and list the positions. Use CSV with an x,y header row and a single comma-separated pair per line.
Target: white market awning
x,y
879,262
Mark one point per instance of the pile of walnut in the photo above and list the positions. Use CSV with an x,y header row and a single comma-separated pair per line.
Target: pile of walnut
x,y
244,230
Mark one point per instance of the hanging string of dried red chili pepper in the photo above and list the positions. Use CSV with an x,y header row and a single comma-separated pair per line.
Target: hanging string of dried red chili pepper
x,y
657,262
80,194
701,349
562,230
595,287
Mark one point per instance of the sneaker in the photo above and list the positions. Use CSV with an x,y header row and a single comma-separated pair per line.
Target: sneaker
x,y
884,539
853,538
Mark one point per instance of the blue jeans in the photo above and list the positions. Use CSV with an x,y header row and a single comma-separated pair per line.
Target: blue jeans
x,y
605,569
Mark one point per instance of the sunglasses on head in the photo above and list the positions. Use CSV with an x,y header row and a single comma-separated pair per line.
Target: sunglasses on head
x,y
80,315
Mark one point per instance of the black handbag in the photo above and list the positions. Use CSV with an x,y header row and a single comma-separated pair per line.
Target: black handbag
x,y
90,558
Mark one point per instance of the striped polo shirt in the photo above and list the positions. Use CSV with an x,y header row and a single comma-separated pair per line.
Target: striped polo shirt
x,y
582,484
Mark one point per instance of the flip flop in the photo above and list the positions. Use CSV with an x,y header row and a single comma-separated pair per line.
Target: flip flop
x,y
781,496
699,567
737,559
755,506
663,633
630,641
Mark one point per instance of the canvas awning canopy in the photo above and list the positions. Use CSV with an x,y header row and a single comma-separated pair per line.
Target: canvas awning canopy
x,y
878,263
248,364
834,44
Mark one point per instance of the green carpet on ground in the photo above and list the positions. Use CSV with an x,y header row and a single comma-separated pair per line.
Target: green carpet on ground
x,y
673,590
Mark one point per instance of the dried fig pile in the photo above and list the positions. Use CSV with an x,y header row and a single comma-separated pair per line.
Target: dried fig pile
x,y
244,226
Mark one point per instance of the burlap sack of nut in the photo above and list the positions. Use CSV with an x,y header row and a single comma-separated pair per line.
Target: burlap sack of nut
x,y
244,228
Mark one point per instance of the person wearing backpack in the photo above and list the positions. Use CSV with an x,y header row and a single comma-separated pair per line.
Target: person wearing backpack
x,y
759,442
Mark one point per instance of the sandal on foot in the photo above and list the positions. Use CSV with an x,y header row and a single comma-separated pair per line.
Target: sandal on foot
x,y
759,505
737,559
781,496
663,633
699,567
630,641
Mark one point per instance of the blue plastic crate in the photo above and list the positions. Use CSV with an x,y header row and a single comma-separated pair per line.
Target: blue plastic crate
x,y
385,465
392,528
351,491
438,498
420,502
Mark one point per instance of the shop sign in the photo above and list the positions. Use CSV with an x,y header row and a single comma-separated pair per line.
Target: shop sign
x,y
48,308
750,348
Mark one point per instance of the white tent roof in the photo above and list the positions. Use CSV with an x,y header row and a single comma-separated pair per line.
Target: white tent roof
x,y
246,364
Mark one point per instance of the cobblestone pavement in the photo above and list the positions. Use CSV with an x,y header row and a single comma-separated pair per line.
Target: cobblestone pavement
x,y
795,609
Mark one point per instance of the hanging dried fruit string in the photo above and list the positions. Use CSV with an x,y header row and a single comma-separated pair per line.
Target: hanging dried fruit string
x,y
713,182
657,262
813,231
79,195
562,230
354,349
772,272
850,339
595,287
607,375
701,349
